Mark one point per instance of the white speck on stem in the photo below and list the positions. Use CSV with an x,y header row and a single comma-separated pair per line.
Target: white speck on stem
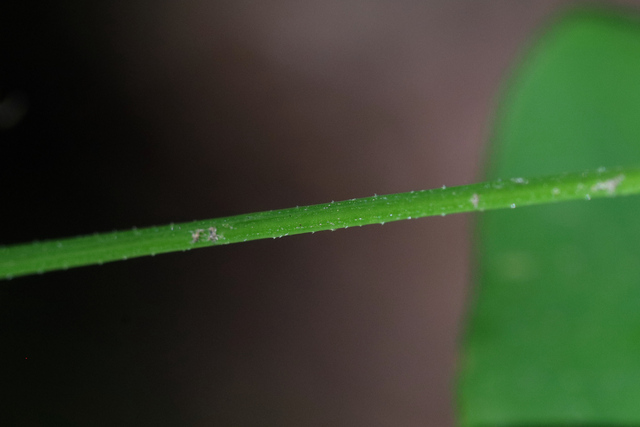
x,y
195,236
513,205
609,185
474,200
519,180
555,191
213,236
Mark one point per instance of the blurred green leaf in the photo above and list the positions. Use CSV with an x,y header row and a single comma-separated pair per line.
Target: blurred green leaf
x,y
553,336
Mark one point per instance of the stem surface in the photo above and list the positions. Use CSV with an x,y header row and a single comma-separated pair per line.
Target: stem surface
x,y
40,257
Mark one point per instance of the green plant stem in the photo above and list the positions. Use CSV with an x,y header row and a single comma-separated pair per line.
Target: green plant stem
x,y
40,257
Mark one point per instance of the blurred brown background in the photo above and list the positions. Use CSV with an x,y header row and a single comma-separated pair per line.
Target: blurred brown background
x,y
144,112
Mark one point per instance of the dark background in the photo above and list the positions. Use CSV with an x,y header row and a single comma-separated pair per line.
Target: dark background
x,y
140,113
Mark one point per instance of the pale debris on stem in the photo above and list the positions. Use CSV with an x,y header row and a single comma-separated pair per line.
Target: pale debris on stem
x,y
211,237
474,200
212,234
196,235
609,185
